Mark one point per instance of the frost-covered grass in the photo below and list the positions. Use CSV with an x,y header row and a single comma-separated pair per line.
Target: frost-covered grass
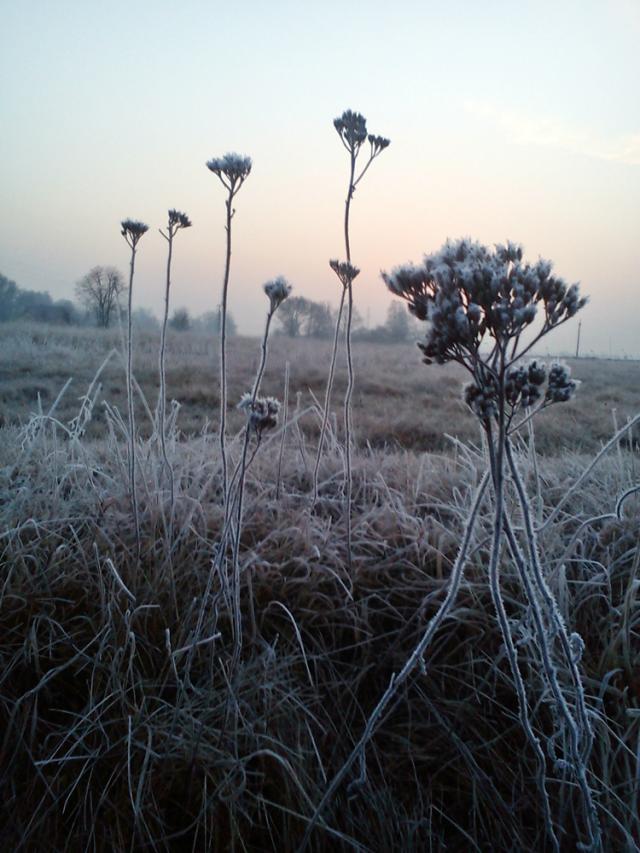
x,y
109,742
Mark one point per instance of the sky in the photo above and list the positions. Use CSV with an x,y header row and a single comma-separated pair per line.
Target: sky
x,y
507,120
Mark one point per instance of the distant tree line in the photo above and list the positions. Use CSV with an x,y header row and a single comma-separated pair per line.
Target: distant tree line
x,y
19,304
301,317
101,295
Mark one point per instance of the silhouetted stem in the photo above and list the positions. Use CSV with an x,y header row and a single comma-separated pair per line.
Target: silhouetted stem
x,y
131,416
162,399
285,413
223,349
350,376
327,396
237,615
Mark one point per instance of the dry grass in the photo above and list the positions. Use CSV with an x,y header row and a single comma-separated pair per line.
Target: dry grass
x,y
107,745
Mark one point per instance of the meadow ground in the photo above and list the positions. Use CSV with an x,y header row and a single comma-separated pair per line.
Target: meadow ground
x,y
399,403
116,735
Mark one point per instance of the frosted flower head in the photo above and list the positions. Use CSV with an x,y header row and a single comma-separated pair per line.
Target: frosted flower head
x,y
560,387
537,372
132,230
482,399
345,271
179,219
519,389
234,167
352,129
468,293
412,284
262,413
278,289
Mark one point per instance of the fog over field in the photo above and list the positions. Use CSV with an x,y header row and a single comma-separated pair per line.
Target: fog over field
x,y
320,490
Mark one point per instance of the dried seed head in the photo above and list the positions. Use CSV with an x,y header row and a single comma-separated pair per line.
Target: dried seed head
x,y
232,166
345,271
352,128
482,399
132,230
261,412
537,372
560,386
519,389
278,289
468,292
378,144
181,220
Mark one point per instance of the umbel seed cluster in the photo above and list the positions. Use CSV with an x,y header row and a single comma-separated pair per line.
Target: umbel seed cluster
x,y
478,303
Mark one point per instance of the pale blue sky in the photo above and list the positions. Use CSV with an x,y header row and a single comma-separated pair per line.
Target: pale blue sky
x,y
507,120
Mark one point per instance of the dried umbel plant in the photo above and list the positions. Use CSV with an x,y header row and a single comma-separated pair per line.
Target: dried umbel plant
x,y
262,415
352,130
132,230
479,305
232,171
175,222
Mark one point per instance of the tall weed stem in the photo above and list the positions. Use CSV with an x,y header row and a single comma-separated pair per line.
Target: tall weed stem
x,y
232,170
132,231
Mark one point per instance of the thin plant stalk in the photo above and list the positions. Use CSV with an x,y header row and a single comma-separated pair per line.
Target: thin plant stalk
x,y
277,291
130,411
162,398
232,170
285,414
327,396
223,348
350,374
132,231
352,130
177,220
235,563
580,736
497,465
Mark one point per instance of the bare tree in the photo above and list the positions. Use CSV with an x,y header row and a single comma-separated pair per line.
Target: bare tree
x,y
99,291
292,315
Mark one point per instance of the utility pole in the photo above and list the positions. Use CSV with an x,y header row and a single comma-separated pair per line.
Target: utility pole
x,y
578,341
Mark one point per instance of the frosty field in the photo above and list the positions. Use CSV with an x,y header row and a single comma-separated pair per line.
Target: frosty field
x,y
110,741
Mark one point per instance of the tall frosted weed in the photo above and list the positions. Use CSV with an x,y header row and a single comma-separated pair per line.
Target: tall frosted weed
x,y
232,171
132,231
352,130
176,221
480,305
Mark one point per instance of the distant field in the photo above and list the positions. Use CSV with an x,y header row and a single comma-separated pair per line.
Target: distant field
x,y
399,402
